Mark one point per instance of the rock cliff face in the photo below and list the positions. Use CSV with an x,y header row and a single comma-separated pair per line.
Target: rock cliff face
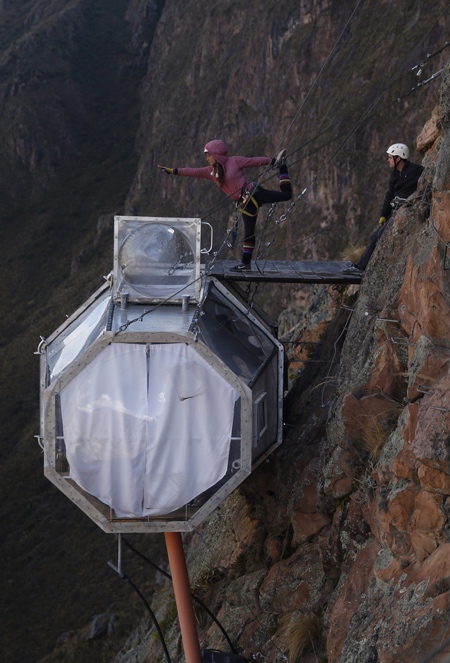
x,y
336,548
344,533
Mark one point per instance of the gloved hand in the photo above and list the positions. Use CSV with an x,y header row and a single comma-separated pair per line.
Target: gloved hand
x,y
382,220
169,171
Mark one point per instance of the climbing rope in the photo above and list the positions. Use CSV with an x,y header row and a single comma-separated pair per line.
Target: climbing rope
x,y
285,216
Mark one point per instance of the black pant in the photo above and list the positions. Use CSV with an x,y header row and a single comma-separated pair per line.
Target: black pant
x,y
370,248
250,209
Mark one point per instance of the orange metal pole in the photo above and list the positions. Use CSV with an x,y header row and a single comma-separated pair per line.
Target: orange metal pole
x,y
182,590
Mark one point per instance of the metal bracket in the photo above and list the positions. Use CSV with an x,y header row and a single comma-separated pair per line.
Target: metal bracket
x,y
118,568
208,251
40,440
40,350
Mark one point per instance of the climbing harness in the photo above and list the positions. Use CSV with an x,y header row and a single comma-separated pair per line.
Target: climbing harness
x,y
247,195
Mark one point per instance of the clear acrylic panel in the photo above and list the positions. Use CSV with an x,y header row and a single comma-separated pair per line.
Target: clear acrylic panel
x,y
77,336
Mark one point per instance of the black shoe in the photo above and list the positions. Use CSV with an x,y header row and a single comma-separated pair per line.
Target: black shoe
x,y
280,159
353,270
241,267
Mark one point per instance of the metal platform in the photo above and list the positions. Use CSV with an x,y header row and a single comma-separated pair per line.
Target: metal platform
x,y
285,271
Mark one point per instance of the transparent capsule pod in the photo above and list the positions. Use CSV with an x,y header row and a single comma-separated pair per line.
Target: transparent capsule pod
x,y
154,409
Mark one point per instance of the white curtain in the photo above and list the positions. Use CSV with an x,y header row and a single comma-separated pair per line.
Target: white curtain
x,y
147,428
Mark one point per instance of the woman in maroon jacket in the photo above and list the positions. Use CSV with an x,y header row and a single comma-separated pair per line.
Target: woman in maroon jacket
x,y
228,174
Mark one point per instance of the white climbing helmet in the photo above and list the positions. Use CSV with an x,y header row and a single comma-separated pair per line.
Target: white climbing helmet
x,y
398,150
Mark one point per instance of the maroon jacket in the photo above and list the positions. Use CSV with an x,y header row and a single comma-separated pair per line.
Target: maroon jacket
x,y
233,168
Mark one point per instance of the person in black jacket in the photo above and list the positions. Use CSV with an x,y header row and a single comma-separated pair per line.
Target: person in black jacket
x,y
403,182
